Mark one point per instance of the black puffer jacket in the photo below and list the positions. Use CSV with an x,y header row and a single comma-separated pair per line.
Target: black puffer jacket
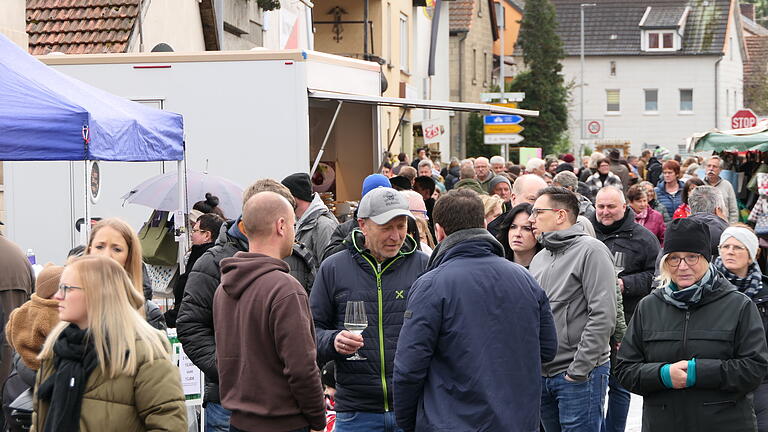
x,y
640,249
653,173
725,335
194,322
337,237
354,275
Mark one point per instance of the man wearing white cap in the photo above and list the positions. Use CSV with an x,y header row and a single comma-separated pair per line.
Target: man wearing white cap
x,y
378,266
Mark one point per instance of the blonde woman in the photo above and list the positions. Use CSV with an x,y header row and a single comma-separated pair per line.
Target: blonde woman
x,y
695,348
114,238
494,207
103,367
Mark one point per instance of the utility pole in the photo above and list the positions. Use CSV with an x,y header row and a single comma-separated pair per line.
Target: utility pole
x,y
500,21
581,86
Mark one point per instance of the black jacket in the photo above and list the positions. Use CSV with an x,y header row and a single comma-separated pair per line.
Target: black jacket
x,y
452,178
354,275
640,248
178,290
653,173
725,335
337,237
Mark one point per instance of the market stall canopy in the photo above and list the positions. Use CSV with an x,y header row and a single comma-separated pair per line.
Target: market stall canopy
x,y
754,138
46,115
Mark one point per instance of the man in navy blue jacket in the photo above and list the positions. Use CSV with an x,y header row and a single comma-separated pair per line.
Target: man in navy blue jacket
x,y
477,328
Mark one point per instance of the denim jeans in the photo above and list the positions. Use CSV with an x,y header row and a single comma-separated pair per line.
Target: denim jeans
x,y
360,421
574,406
234,429
618,407
216,418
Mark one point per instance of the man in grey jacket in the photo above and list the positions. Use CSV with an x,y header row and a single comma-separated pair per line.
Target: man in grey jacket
x,y
714,167
576,271
314,222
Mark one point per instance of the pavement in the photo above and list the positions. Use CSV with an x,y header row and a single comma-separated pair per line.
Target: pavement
x,y
635,417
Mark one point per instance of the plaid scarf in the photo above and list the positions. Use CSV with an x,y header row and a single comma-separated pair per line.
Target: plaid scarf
x,y
750,285
684,298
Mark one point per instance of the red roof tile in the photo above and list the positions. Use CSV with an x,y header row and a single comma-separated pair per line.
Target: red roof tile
x,y
80,26
460,15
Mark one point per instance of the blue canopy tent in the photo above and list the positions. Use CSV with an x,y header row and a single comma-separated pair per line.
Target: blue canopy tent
x,y
48,116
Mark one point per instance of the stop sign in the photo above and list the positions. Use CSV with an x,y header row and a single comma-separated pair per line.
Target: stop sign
x,y
744,118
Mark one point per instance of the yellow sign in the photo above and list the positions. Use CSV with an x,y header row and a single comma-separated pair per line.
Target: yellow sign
x,y
506,105
503,129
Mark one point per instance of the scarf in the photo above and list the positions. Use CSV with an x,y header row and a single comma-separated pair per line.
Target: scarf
x,y
641,217
749,285
612,228
74,359
684,298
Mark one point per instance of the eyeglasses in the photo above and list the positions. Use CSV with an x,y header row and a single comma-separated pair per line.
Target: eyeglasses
x,y
537,211
735,248
194,230
64,289
691,260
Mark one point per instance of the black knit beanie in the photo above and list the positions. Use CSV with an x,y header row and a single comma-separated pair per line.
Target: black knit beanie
x,y
299,185
688,235
400,182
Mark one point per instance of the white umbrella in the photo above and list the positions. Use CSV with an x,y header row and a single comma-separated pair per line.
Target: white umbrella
x,y
162,193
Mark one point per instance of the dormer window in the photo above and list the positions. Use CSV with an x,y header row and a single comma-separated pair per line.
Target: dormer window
x,y
663,28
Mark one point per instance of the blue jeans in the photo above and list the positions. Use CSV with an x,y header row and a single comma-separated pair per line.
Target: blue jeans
x,y
574,406
216,418
360,421
618,407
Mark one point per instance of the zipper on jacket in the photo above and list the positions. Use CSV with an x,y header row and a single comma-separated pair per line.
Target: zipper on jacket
x,y
685,333
379,272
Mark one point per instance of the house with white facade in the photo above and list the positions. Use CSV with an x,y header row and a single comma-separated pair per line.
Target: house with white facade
x,y
654,72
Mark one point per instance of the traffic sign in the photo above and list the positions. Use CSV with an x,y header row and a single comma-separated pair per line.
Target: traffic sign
x,y
502,128
744,118
593,128
504,139
505,105
502,119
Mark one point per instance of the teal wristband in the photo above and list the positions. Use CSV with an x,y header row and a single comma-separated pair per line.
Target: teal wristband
x,y
690,381
666,378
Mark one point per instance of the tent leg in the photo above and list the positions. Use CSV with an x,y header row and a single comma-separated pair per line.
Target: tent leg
x,y
181,224
85,230
325,140
397,129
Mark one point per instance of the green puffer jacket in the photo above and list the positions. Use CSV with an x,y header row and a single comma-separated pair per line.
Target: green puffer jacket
x,y
152,400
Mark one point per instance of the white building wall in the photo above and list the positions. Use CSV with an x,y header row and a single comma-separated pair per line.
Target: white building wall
x,y
438,88
667,127
174,22
731,79
13,21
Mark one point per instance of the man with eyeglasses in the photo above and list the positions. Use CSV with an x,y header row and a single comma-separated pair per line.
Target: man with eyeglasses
x,y
576,271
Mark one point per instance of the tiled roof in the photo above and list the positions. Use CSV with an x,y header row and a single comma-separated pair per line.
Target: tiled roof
x,y
80,26
752,28
757,64
663,16
612,27
460,15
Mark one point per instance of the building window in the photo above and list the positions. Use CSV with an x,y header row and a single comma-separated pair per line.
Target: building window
x,y
485,69
389,34
404,54
480,9
686,100
661,40
474,66
612,101
613,68
651,100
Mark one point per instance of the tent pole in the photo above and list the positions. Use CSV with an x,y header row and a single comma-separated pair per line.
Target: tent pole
x,y
85,230
183,232
325,140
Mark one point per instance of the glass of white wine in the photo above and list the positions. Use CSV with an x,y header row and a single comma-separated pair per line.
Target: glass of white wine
x,y
619,260
355,321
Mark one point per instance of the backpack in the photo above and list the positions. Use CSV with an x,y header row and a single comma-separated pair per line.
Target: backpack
x,y
303,265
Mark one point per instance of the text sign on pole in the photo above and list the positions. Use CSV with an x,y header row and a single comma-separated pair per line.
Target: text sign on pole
x,y
502,119
502,128
744,118
503,139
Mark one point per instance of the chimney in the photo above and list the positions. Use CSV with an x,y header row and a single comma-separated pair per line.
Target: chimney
x,y
748,10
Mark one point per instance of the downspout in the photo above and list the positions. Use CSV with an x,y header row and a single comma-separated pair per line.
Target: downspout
x,y
461,150
717,87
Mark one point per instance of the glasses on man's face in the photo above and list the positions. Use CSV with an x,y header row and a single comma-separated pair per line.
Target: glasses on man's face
x,y
691,260
64,289
734,248
195,230
537,211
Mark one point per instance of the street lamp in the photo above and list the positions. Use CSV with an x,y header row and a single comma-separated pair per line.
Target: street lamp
x,y
581,114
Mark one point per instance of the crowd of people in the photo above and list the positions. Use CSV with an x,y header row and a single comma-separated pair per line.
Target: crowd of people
x,y
483,296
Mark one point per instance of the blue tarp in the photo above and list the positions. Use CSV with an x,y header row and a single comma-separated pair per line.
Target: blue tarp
x,y
43,114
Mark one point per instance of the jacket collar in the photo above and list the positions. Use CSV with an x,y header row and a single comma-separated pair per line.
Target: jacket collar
x,y
230,233
626,224
720,288
443,248
555,240
355,242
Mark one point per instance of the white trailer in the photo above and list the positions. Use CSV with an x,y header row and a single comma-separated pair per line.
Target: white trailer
x,y
247,115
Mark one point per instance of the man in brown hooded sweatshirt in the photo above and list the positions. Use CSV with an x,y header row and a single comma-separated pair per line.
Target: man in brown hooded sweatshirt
x,y
265,337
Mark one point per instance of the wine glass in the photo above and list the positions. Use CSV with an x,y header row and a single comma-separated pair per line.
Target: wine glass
x,y
619,259
355,321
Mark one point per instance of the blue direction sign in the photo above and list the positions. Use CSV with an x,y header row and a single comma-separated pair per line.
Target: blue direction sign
x,y
502,119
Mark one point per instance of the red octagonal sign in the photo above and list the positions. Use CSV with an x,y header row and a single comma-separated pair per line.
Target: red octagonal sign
x,y
744,118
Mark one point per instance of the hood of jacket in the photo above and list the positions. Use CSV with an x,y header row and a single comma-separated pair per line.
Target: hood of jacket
x,y
455,171
239,272
230,233
471,184
471,242
355,242
316,209
555,240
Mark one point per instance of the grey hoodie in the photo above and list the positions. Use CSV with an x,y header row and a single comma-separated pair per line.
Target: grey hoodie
x,y
576,271
315,227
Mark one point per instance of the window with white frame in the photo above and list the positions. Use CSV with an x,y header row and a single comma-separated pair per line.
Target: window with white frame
x,y
404,54
686,100
660,41
613,98
651,100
